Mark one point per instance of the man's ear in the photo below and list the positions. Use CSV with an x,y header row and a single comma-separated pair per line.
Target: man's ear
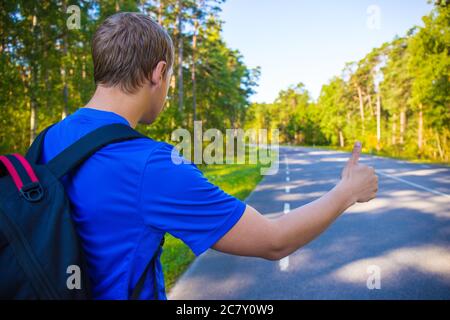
x,y
159,73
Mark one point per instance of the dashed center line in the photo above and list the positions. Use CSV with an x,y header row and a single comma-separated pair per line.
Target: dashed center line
x,y
284,263
287,208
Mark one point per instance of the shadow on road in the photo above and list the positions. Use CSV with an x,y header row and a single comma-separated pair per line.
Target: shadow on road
x,y
405,232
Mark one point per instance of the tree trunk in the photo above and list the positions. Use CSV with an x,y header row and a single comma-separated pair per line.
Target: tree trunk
x,y
394,129
180,56
48,87
65,91
83,68
378,121
361,108
369,100
402,125
439,146
33,86
194,49
420,129
33,120
65,95
341,138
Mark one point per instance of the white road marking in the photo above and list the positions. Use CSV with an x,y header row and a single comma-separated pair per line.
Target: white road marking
x,y
284,263
286,161
287,208
414,184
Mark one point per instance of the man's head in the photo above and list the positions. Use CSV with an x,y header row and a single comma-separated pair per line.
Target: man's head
x,y
133,53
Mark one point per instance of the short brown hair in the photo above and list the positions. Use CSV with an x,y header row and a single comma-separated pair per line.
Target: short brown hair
x,y
126,48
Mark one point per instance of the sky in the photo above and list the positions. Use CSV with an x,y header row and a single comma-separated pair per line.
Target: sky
x,y
310,41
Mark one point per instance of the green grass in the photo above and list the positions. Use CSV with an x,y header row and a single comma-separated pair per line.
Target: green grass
x,y
237,180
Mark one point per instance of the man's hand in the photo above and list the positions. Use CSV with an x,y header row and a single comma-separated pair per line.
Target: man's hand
x,y
358,179
256,235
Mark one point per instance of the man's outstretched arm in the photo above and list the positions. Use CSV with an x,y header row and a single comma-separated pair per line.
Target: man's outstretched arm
x,y
273,239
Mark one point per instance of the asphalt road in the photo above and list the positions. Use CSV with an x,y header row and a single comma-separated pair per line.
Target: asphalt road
x,y
401,238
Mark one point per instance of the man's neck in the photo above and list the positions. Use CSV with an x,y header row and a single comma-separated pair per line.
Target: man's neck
x,y
114,100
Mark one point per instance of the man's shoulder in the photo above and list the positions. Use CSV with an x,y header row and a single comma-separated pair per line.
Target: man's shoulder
x,y
141,149
63,134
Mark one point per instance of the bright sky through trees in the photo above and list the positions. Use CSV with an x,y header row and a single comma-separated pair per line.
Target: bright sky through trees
x,y
310,41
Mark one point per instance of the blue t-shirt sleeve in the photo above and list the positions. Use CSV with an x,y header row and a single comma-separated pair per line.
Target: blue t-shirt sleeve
x,y
178,199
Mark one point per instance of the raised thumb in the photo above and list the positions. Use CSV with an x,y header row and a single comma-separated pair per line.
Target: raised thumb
x,y
355,153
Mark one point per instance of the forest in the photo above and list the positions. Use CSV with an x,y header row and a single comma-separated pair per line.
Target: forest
x,y
395,100
46,66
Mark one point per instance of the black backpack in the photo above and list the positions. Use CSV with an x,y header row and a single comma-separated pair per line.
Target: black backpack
x,y
40,253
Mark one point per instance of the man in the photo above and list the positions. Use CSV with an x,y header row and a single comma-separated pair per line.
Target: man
x,y
129,194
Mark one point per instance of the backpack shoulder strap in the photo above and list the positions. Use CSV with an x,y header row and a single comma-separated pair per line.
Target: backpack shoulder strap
x,y
74,155
140,284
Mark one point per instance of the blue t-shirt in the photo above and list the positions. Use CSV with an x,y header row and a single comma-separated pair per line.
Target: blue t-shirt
x,y
129,194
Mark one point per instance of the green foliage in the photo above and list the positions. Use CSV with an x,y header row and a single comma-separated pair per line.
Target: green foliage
x,y
409,77
46,68
292,113
46,72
